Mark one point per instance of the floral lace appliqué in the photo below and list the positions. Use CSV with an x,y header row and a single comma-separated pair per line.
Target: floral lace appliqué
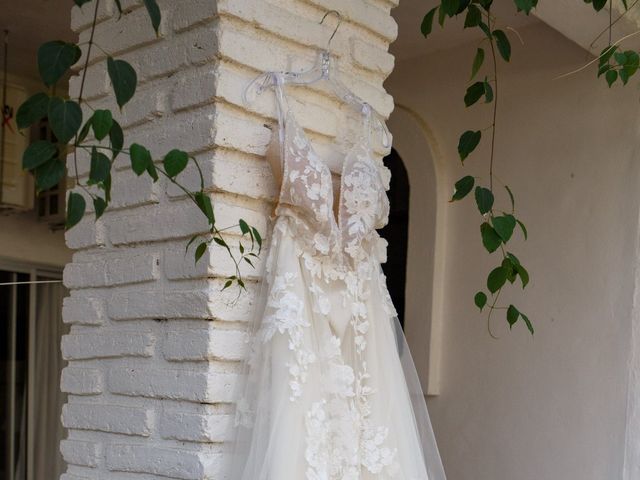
x,y
286,316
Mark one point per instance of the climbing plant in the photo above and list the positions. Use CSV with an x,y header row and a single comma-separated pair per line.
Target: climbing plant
x,y
498,223
46,159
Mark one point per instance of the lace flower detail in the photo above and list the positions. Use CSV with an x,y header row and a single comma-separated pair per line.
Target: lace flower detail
x,y
287,317
375,456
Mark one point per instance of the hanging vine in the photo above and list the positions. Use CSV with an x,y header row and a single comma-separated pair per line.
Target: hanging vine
x,y
498,226
46,159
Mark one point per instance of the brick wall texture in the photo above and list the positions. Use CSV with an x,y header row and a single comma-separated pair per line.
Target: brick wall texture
x,y
154,344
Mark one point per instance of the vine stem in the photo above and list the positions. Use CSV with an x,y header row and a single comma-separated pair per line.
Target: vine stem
x,y
90,43
495,101
612,23
82,82
491,309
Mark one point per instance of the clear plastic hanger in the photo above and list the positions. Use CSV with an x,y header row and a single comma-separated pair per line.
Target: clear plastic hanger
x,y
323,70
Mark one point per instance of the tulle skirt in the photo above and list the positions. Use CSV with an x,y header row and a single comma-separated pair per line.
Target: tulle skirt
x,y
323,397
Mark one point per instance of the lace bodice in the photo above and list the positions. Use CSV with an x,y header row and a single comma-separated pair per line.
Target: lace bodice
x,y
306,192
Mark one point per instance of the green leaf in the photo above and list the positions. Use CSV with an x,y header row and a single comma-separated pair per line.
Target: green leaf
x,y
244,227
123,78
488,92
512,315
65,118
49,174
100,167
227,284
84,131
510,268
118,6
257,236
204,204
55,58
154,13
523,274
190,242
620,57
152,171
116,139
485,28
504,226
602,69
33,110
607,53
504,46
477,62
624,76
102,121
496,279
140,158
427,22
463,4
474,92
513,258
38,153
473,18
480,300
524,229
76,206
611,76
598,4
490,239
469,140
99,205
463,187
527,322
484,199
200,251
106,186
442,16
632,63
175,162
450,7
526,5
220,242
81,2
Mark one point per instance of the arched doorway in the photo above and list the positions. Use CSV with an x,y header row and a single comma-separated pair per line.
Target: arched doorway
x,y
396,232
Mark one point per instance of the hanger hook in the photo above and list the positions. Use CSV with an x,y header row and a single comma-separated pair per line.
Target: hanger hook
x,y
337,14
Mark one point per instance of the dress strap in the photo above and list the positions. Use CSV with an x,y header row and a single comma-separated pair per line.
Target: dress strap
x,y
282,104
366,124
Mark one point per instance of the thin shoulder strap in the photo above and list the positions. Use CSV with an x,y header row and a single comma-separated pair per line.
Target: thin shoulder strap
x,y
281,101
366,124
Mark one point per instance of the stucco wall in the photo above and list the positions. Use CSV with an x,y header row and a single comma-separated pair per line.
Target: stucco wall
x,y
552,406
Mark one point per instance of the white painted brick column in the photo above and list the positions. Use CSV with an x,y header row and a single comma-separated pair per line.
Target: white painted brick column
x,y
154,343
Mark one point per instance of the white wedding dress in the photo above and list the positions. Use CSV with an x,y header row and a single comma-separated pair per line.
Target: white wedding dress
x,y
329,391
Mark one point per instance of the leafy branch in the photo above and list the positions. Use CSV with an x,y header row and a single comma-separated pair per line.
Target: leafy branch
x,y
45,159
497,226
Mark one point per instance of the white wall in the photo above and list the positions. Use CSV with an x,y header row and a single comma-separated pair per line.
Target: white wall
x,y
553,406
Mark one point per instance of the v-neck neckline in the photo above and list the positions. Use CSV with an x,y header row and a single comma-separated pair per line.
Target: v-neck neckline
x,y
335,216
